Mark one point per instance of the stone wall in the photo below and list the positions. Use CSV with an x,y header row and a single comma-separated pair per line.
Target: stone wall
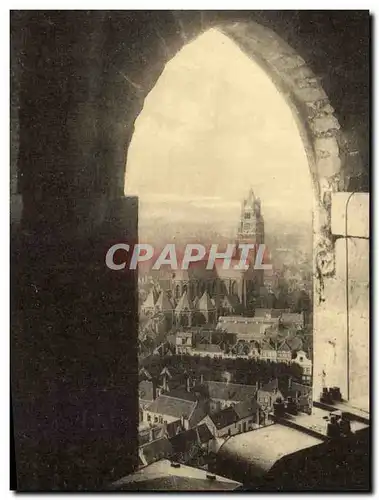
x,y
341,322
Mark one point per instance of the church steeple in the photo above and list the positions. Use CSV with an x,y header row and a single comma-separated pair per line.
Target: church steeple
x,y
251,226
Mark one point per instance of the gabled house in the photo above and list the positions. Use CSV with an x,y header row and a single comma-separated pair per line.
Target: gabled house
x,y
268,351
293,320
301,394
268,313
183,342
147,393
284,352
154,451
167,409
306,365
224,394
267,395
211,350
191,444
206,309
233,420
148,307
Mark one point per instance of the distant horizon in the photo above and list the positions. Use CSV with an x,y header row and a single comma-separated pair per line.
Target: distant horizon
x,y
205,136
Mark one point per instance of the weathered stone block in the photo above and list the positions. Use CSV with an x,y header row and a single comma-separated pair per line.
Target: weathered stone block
x,y
358,259
323,124
310,93
302,72
359,358
327,167
330,338
358,210
287,62
326,146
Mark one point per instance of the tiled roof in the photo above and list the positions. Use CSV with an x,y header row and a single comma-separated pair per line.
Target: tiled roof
x,y
246,408
225,417
293,318
150,300
267,346
185,441
295,343
173,428
205,303
150,434
182,394
242,328
230,392
283,346
300,390
174,407
273,313
162,476
164,303
209,348
144,373
271,386
230,301
184,303
204,433
156,450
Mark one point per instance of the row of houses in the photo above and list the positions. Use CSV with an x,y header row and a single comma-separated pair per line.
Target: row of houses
x,y
186,422
264,348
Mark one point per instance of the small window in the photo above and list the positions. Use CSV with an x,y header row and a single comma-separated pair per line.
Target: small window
x,y
155,419
148,418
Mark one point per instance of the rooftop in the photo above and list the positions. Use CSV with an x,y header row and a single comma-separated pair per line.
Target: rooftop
x,y
230,392
162,475
263,447
174,407
156,450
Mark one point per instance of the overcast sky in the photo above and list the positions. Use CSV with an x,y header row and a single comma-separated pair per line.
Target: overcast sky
x,y
212,127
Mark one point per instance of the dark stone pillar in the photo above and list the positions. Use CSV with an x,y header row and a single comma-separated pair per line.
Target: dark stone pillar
x,y
74,321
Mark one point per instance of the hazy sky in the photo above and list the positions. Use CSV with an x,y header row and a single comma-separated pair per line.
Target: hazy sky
x,y
212,127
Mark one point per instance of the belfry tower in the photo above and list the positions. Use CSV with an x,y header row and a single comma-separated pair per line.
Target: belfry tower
x,y
251,230
251,225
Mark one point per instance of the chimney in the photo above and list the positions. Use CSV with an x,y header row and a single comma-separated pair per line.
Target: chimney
x,y
227,377
188,383
154,382
182,423
201,379
164,382
289,382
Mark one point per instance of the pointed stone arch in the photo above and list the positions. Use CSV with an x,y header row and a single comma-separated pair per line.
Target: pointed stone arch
x,y
323,139
330,151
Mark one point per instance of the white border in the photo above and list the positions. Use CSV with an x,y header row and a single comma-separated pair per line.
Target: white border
x,y
4,172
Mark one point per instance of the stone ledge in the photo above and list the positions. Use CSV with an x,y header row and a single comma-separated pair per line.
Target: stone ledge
x,y
358,214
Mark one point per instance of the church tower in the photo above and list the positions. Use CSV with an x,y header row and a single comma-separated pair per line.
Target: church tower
x,y
251,225
251,230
